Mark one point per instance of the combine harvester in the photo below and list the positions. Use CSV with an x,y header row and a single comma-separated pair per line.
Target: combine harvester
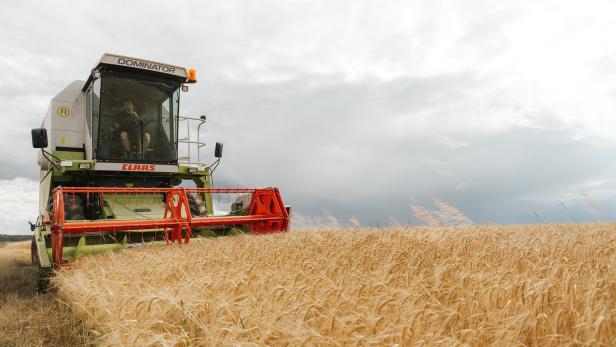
x,y
111,175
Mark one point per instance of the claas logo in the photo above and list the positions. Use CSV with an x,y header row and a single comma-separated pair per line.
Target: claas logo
x,y
138,167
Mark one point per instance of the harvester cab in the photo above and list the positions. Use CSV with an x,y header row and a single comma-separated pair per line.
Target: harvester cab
x,y
119,165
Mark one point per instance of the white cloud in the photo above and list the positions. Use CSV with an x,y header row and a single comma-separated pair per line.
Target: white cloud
x,y
18,205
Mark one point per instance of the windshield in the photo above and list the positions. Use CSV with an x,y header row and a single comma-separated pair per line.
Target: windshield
x,y
137,119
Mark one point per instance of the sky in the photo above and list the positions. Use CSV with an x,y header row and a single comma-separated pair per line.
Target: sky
x,y
354,109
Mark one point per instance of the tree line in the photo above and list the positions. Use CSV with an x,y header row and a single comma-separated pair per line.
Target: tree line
x,y
14,238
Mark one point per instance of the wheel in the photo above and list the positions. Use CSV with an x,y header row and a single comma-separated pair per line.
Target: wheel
x,y
42,279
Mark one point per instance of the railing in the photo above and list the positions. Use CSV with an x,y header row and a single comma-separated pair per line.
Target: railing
x,y
188,141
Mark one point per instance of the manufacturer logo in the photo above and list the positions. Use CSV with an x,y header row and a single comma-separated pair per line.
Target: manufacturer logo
x,y
138,167
146,65
63,111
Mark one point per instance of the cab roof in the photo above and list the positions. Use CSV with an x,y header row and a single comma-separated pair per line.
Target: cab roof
x,y
124,62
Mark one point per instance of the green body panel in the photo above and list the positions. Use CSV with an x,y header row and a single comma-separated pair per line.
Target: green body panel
x,y
71,252
66,155
122,206
63,173
43,256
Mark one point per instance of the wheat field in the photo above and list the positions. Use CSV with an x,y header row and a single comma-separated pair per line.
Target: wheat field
x,y
539,285
28,319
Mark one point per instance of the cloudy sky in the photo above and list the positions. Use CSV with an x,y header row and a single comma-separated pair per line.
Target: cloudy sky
x,y
504,109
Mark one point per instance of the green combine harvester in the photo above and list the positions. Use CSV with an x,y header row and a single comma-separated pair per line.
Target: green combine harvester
x,y
111,175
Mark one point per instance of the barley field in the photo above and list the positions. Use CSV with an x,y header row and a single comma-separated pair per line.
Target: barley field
x,y
541,285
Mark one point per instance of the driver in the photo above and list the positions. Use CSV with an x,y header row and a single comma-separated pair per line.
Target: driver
x,y
129,123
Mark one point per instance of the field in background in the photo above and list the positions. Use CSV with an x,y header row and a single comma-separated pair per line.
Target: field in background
x,y
27,319
505,285
14,238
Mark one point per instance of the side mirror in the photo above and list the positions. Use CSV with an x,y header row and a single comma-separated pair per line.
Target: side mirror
x,y
39,138
218,150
